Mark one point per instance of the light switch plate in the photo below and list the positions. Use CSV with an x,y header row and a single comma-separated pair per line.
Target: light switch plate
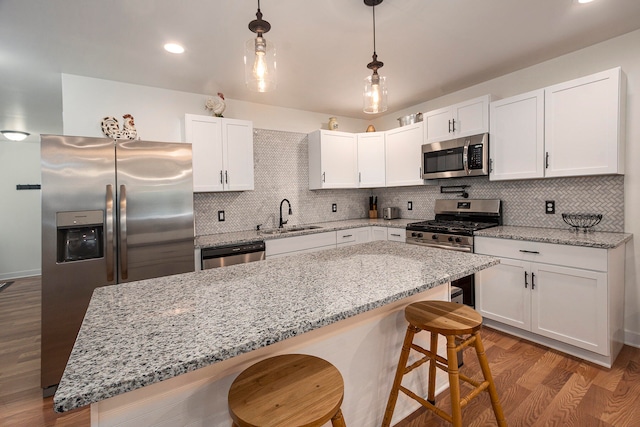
x,y
220,215
409,206
334,207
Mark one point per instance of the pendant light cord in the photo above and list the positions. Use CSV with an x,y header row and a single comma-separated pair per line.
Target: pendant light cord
x,y
374,26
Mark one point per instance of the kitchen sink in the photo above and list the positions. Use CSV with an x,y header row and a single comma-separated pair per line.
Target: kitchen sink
x,y
289,229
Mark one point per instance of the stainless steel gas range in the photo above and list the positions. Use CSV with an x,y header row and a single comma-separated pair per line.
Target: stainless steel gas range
x,y
453,228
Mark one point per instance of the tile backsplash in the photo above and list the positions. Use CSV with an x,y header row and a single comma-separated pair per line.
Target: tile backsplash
x,y
282,171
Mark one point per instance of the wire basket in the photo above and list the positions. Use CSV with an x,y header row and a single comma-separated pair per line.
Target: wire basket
x,y
582,221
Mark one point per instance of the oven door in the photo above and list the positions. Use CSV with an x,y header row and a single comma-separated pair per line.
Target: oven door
x,y
439,246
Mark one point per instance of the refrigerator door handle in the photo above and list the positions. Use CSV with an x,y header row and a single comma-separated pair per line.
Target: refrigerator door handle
x,y
109,225
124,267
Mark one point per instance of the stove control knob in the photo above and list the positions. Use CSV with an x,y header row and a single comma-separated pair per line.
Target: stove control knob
x,y
451,239
420,234
434,237
458,240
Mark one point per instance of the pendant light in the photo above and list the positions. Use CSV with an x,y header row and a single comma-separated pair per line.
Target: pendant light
x,y
375,86
260,57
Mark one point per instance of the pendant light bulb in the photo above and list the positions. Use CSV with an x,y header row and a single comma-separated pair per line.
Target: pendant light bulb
x,y
375,86
260,57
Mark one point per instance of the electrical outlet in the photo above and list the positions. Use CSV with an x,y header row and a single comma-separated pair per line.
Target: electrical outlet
x,y
220,215
550,206
409,206
334,207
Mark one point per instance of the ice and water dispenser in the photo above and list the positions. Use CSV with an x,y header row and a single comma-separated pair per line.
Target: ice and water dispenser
x,y
80,235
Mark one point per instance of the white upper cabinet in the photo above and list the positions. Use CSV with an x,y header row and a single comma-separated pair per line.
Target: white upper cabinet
x,y
456,121
222,153
516,145
584,123
403,151
371,163
333,160
574,128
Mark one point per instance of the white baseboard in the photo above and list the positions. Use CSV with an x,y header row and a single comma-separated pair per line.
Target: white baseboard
x,y
632,338
20,274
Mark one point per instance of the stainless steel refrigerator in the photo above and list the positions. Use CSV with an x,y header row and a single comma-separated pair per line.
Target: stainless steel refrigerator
x,y
112,212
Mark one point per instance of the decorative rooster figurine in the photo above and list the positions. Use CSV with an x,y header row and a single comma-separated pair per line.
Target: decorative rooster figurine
x,y
111,128
216,105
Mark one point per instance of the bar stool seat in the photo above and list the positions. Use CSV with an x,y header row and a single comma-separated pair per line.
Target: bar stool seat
x,y
461,326
292,390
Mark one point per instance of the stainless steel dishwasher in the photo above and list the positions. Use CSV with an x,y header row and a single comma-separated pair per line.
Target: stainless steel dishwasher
x,y
225,255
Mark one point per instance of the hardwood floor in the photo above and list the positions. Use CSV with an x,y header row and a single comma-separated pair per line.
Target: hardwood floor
x,y
21,402
537,386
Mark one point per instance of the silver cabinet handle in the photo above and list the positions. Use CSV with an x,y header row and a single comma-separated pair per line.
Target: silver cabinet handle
x,y
529,252
490,165
323,176
221,182
124,266
395,235
526,275
546,160
533,281
347,235
226,177
109,232
359,176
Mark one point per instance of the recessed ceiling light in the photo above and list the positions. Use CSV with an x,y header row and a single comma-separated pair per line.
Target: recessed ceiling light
x,y
14,135
173,48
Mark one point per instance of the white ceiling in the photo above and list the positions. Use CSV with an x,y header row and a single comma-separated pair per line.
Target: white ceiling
x,y
429,47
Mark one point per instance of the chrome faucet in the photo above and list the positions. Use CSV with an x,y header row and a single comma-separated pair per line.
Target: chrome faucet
x,y
282,223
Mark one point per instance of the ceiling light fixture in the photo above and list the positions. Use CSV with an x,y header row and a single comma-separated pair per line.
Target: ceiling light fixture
x,y
173,48
375,86
14,135
260,57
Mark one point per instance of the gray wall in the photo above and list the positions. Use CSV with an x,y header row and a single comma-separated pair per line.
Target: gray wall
x,y
281,171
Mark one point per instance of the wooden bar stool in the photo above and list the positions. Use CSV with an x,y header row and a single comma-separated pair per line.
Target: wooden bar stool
x,y
292,390
453,321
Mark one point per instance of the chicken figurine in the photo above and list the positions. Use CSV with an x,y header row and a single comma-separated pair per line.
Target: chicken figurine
x,y
216,105
111,128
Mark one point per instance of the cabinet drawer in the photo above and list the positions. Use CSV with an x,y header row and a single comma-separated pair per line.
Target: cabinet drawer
x,y
346,236
548,253
300,243
396,234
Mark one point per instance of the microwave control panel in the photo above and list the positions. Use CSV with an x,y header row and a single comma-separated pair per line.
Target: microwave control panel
x,y
475,156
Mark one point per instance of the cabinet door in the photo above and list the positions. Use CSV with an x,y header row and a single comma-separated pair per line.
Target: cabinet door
x,y
583,126
403,152
371,168
333,160
378,233
471,117
438,126
238,154
570,305
502,294
205,136
516,147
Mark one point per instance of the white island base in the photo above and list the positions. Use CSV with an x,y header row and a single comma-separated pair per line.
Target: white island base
x,y
365,348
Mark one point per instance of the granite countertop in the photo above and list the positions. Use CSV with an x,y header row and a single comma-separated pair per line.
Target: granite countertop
x,y
563,236
253,235
139,333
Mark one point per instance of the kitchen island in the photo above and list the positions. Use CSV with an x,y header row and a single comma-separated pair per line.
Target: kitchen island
x,y
164,351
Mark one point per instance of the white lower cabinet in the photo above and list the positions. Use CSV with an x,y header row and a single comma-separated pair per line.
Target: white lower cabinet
x,y
353,236
568,294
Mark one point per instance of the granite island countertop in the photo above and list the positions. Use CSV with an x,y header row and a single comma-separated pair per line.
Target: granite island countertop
x,y
210,240
139,333
562,236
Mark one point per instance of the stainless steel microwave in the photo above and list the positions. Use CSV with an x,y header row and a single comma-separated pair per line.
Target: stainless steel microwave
x,y
460,157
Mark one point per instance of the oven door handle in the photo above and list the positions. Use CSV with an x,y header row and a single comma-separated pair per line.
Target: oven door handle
x,y
450,248
465,156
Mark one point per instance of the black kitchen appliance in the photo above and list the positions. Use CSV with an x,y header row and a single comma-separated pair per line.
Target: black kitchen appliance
x,y
453,228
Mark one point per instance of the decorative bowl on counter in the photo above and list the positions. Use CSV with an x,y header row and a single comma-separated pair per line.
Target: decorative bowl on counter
x,y
582,221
